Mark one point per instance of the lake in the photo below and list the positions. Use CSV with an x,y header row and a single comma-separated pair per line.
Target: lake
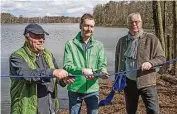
x,y
12,38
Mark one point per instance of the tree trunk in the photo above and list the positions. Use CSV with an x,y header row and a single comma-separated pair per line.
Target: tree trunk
x,y
161,34
174,32
157,17
164,30
156,26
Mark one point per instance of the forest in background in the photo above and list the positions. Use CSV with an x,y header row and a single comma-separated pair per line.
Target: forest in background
x,y
115,13
9,18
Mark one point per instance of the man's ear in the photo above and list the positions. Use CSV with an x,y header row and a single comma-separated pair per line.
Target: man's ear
x,y
26,38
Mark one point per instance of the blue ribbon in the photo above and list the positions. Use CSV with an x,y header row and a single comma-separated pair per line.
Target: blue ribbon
x,y
22,76
97,75
118,74
119,83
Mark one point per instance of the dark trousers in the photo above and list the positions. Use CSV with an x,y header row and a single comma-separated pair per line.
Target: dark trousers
x,y
75,102
148,95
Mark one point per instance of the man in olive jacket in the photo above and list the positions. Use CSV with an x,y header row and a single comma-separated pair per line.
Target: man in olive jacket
x,y
142,50
84,55
35,90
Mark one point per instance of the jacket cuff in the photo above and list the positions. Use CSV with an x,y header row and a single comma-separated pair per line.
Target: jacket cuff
x,y
153,62
62,83
98,71
51,72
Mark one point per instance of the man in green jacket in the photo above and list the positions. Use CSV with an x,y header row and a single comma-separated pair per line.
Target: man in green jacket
x,y
143,50
84,55
35,90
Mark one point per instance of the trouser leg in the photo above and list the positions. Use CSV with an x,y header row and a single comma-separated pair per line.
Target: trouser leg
x,y
92,102
75,102
150,99
131,96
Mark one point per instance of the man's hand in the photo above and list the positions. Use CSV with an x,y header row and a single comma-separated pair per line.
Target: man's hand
x,y
69,80
88,72
146,66
106,76
60,73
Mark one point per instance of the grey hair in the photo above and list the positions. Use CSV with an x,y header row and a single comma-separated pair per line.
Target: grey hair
x,y
131,15
27,35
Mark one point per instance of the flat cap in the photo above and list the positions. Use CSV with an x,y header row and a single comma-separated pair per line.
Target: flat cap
x,y
34,28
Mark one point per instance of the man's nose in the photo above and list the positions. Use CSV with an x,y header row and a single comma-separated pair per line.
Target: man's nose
x,y
134,23
89,27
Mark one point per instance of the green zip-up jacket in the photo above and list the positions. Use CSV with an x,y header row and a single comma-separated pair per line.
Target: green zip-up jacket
x,y
24,92
75,59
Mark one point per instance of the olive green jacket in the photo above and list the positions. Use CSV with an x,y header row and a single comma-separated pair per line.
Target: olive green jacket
x,y
24,93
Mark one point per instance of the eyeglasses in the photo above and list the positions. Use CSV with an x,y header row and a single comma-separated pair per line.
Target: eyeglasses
x,y
37,36
136,22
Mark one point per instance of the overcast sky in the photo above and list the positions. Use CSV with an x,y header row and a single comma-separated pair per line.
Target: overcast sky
x,y
33,8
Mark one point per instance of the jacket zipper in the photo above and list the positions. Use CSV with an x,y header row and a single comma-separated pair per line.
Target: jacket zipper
x,y
86,63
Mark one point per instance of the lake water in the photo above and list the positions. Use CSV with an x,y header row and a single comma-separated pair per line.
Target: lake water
x,y
12,38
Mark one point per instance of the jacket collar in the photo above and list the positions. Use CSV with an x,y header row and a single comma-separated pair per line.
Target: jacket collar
x,y
31,54
78,40
138,35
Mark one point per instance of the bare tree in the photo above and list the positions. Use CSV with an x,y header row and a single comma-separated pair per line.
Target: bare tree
x,y
174,32
157,17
